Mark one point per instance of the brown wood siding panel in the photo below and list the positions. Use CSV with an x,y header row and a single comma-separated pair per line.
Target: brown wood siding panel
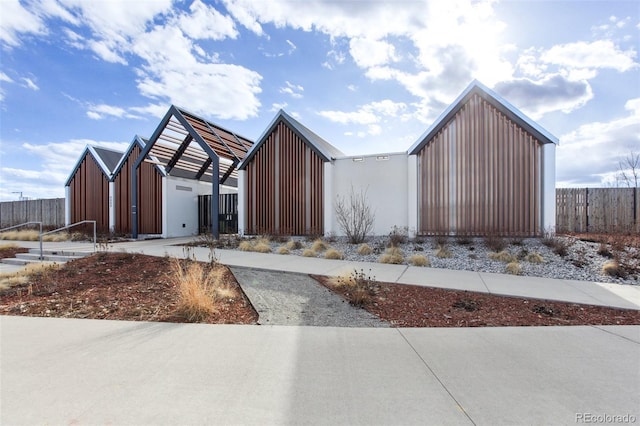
x,y
89,191
480,174
149,197
285,187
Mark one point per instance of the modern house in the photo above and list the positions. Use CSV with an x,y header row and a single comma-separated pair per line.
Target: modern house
x,y
482,168
87,188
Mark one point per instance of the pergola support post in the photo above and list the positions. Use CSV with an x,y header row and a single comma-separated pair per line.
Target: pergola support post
x,y
215,197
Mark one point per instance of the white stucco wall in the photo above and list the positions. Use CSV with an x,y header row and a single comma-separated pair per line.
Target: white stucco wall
x,y
549,187
384,178
180,206
67,206
242,202
328,197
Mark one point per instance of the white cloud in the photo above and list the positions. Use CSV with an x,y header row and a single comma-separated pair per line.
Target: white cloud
x,y
18,20
205,22
56,161
590,154
553,93
294,90
98,112
367,114
368,53
29,83
598,54
278,106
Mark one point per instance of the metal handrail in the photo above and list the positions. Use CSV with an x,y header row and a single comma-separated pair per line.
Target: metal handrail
x,y
67,227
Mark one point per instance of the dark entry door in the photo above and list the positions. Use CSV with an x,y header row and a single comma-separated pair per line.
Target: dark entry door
x,y
227,216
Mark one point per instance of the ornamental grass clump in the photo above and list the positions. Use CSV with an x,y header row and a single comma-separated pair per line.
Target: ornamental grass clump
x,y
513,268
360,288
392,255
283,250
443,252
332,253
318,246
614,269
503,256
419,260
294,245
534,258
309,253
200,289
364,249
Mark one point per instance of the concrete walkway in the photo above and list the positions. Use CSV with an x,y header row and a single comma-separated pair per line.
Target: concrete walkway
x,y
621,296
86,372
70,371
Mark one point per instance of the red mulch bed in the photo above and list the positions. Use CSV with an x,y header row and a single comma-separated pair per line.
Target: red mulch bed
x,y
9,252
115,286
415,306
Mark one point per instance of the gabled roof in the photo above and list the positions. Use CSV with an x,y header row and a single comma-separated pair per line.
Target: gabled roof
x,y
140,142
501,104
106,159
323,148
185,146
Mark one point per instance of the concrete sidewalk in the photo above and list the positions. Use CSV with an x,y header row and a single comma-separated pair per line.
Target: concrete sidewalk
x,y
620,296
68,371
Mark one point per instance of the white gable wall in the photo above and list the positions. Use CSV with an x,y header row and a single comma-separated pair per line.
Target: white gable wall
x,y
383,177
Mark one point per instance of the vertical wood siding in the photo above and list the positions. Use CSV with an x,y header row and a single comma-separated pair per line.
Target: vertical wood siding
x,y
480,174
285,187
89,190
149,197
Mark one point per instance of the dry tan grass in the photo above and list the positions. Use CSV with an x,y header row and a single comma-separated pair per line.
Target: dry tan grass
x,y
332,253
503,256
246,246
283,250
39,269
443,252
513,268
262,247
364,249
612,268
534,258
200,290
319,246
6,246
309,253
392,255
21,235
419,260
294,245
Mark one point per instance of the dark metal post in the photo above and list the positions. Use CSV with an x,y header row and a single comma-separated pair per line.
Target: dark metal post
x,y
215,197
134,202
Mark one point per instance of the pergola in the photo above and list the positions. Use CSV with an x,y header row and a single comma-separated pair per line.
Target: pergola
x,y
191,147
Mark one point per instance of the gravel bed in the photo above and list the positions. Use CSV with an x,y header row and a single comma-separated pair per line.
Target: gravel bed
x,y
582,261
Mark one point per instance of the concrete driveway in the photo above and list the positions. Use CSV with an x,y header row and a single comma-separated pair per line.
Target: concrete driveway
x,y
69,371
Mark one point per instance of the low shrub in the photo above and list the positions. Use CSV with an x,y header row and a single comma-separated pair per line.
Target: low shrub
x,y
443,252
503,256
603,250
398,235
464,240
513,268
495,243
441,240
364,249
419,260
360,287
332,253
392,255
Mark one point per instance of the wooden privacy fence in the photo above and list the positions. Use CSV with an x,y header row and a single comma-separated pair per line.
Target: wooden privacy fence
x,y
48,211
598,210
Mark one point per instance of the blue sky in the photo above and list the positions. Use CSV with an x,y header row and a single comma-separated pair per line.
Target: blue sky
x,y
368,76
